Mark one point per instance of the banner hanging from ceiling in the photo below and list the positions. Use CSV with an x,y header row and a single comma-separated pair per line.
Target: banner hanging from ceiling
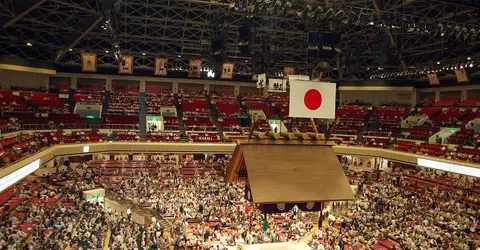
x,y
89,62
261,80
161,66
227,71
194,68
433,78
125,65
462,76
277,85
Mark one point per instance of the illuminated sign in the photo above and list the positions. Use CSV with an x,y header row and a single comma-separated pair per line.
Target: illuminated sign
x,y
19,174
154,118
449,167
452,130
90,116
95,196
86,149
273,121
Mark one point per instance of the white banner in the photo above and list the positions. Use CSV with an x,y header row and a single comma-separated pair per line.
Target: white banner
x,y
277,85
261,81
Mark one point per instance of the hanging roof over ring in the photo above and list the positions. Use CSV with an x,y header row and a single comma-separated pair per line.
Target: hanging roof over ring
x,y
289,171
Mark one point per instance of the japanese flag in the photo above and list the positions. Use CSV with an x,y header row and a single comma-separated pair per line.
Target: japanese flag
x,y
309,99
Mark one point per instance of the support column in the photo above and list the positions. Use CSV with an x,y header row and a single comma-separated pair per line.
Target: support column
x,y
265,90
464,95
437,96
46,81
175,87
206,87
74,82
236,90
413,99
143,86
108,84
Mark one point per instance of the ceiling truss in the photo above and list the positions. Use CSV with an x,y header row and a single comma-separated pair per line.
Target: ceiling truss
x,y
61,29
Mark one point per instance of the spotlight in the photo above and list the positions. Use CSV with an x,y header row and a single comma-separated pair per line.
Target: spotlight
x,y
468,58
179,56
29,44
471,65
71,49
106,51
143,53
438,62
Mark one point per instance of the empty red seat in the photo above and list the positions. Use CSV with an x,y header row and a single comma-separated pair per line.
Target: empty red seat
x,y
446,103
470,103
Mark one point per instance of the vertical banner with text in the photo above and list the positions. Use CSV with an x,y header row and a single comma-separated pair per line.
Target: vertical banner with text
x,y
277,85
433,78
227,71
194,68
125,65
462,76
161,66
89,62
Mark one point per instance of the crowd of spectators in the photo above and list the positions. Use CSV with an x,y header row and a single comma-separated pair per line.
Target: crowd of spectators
x,y
205,211
399,211
443,151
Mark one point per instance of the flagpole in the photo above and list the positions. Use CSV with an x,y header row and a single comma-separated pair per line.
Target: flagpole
x,y
314,126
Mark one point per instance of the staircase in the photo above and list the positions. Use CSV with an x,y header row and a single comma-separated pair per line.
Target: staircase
x,y
181,124
214,116
364,129
94,123
164,222
244,107
106,242
71,101
106,102
143,117
244,122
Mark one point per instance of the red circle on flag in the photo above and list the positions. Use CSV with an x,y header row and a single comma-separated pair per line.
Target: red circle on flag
x,y
312,99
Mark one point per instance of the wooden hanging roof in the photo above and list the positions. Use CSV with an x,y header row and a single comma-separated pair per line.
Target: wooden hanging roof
x,y
289,171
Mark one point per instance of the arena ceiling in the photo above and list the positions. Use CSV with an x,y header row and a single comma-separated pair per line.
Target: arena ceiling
x,y
376,36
